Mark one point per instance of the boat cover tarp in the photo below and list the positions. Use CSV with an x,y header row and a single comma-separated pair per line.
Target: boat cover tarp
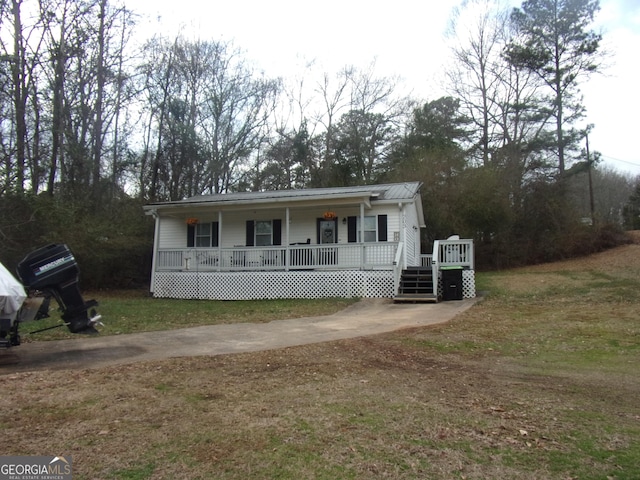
x,y
12,294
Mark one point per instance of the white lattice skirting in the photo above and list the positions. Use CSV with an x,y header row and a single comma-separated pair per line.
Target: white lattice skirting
x,y
271,285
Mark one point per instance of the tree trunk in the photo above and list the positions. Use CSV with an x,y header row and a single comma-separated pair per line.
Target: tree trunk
x,y
559,105
120,80
57,121
97,127
19,96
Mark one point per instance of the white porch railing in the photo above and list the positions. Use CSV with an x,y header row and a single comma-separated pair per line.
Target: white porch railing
x,y
360,256
449,253
426,260
397,269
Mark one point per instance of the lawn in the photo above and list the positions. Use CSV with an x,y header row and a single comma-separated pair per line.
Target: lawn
x,y
539,380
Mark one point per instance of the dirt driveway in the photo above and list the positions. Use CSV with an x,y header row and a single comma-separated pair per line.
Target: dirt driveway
x,y
367,317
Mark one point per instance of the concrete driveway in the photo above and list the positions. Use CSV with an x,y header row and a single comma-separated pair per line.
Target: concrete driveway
x,y
367,317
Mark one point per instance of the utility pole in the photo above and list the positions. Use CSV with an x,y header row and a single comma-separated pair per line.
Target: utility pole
x,y
591,203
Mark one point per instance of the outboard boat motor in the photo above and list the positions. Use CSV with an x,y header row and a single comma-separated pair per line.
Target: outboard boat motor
x,y
53,270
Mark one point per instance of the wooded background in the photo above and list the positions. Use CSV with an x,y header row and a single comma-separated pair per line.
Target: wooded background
x,y
94,124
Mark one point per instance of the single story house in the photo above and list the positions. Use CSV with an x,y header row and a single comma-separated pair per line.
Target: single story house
x,y
311,243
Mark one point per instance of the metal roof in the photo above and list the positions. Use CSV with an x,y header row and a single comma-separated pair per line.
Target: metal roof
x,y
388,192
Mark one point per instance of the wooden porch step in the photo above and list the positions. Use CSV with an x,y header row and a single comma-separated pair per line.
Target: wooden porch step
x,y
417,290
416,281
417,270
417,273
415,297
416,285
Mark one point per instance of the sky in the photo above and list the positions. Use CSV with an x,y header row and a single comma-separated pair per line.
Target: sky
x,y
405,38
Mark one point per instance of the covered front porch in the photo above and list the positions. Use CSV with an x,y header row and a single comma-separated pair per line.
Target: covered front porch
x,y
364,270
305,271
358,256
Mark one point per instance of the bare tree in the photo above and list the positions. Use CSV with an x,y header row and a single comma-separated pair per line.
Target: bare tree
x,y
77,73
99,98
477,29
158,74
114,24
334,98
209,113
57,49
123,93
236,112
361,112
380,112
19,75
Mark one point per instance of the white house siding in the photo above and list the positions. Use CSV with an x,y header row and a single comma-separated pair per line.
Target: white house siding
x,y
412,239
234,230
391,211
302,226
173,233
273,285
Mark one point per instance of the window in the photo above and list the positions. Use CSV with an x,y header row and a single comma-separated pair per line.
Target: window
x,y
264,233
370,232
202,235
375,228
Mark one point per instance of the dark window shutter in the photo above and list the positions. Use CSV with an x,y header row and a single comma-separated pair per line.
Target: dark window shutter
x,y
382,228
277,232
352,229
318,220
191,236
250,235
215,229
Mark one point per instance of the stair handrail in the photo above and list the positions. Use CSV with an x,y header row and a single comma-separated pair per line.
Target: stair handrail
x,y
435,267
398,266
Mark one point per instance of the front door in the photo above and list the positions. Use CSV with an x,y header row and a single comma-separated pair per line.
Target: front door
x,y
327,234
327,231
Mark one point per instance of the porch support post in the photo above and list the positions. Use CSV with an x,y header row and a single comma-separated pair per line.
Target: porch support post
x,y
156,241
362,252
403,233
286,242
219,239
